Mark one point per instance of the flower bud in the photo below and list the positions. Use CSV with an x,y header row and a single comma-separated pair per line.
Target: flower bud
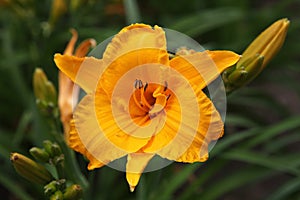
x,y
53,186
39,154
76,4
58,160
53,149
61,184
43,88
56,150
258,54
58,195
73,192
58,9
268,43
50,188
29,169
48,147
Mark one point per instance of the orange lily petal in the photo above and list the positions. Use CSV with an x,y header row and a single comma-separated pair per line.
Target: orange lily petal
x,y
91,135
210,128
135,37
83,71
84,47
136,163
129,61
70,47
181,140
68,91
67,99
74,141
133,46
202,68
112,129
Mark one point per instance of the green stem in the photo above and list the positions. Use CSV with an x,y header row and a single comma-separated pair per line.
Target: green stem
x,y
72,169
60,170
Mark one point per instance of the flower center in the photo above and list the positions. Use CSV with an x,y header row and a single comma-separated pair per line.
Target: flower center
x,y
150,99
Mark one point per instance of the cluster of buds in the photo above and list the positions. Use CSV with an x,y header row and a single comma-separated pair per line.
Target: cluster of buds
x,y
57,190
51,153
257,55
54,188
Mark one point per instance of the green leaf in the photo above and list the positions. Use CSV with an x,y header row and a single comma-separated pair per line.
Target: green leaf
x,y
171,185
279,163
234,180
274,130
282,142
286,190
209,170
229,140
206,20
240,121
22,126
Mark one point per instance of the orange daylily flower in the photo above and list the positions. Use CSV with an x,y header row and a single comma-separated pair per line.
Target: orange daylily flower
x,y
141,103
68,91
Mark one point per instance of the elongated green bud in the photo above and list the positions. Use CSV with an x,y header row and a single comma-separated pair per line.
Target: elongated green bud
x,y
58,9
247,71
268,43
61,184
53,186
39,154
56,150
48,147
256,56
50,188
58,195
44,90
30,169
73,192
53,149
243,74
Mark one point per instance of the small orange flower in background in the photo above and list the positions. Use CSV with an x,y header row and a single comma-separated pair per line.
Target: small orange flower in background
x,y
141,103
68,91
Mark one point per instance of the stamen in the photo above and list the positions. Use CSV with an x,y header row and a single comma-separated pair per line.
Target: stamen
x,y
138,84
142,121
168,97
135,83
145,87
144,100
166,86
138,103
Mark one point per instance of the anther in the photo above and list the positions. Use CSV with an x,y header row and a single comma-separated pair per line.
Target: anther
x,y
168,97
145,87
138,84
166,86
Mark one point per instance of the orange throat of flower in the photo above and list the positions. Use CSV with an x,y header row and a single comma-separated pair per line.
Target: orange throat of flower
x,y
148,100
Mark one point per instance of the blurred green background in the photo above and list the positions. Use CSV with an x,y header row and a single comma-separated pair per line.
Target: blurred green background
x,y
259,155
